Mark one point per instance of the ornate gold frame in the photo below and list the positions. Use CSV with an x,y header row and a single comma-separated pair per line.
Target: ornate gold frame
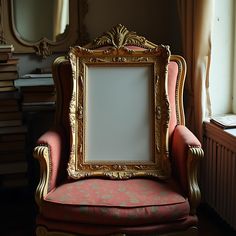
x,y
76,33
158,58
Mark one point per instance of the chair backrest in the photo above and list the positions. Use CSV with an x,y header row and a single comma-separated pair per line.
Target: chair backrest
x,y
62,74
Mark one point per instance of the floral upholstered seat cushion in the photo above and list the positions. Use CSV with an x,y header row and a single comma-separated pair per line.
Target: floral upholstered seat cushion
x,y
122,202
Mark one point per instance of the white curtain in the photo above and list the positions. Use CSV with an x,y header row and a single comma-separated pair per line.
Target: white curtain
x,y
61,17
196,19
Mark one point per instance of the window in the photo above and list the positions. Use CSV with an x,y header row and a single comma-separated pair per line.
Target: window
x,y
222,72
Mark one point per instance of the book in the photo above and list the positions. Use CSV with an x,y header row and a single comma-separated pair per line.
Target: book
x,y
14,167
36,76
4,67
8,75
6,48
7,89
14,180
42,106
10,61
12,157
224,121
12,137
6,83
12,146
38,97
15,115
9,102
13,130
9,123
37,106
10,95
38,89
10,108
33,82
5,56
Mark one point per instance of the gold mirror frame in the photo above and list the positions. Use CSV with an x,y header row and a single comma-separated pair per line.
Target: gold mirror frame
x,y
44,47
122,56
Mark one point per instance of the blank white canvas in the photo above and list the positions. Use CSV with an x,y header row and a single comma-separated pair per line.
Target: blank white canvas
x,y
119,114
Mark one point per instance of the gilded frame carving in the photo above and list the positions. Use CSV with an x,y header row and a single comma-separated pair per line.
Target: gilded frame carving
x,y
75,34
80,59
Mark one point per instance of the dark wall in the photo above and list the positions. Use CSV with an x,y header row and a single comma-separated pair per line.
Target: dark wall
x,y
157,20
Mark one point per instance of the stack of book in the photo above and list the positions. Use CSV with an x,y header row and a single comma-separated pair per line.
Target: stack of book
x,y
225,121
37,91
8,68
13,162
6,51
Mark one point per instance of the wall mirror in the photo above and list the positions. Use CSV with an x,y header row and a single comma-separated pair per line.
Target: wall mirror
x,y
41,26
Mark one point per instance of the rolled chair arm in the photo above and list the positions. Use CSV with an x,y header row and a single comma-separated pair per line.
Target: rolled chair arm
x,y
186,154
48,151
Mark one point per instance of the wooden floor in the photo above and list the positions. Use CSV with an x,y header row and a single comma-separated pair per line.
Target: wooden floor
x,y
18,212
210,224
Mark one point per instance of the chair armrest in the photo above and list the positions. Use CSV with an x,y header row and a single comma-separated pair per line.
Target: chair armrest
x,y
48,151
187,153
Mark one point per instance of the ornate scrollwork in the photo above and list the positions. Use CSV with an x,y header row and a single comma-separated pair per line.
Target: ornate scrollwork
x,y
119,55
195,154
82,50
158,112
119,59
73,103
41,231
118,37
97,60
42,153
43,49
72,115
80,112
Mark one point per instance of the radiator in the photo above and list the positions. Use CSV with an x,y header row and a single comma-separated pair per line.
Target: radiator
x,y
218,172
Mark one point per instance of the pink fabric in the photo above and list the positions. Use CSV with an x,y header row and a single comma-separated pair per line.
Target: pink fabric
x,y
119,193
115,215
128,202
172,79
182,139
92,229
54,141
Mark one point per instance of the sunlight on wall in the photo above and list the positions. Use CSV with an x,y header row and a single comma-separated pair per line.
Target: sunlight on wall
x,y
221,72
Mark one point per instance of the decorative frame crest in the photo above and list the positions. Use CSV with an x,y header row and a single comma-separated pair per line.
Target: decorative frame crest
x,y
120,36
122,56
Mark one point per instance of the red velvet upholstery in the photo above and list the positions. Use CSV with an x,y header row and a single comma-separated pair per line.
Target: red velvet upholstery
x,y
127,202
94,229
54,141
183,138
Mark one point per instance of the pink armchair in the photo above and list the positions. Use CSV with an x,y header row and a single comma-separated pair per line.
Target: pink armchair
x,y
98,206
